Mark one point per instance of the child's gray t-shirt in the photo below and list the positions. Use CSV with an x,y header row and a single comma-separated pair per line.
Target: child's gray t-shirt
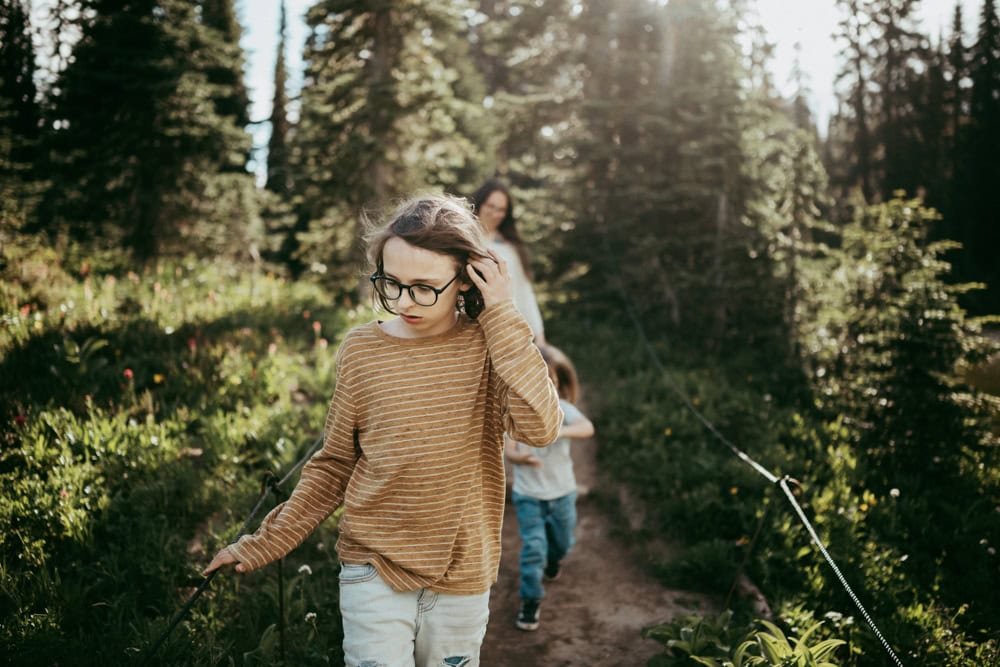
x,y
554,479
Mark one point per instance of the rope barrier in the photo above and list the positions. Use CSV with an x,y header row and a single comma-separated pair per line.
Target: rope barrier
x,y
743,456
268,484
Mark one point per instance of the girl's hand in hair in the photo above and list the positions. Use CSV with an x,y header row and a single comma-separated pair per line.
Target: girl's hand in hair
x,y
490,275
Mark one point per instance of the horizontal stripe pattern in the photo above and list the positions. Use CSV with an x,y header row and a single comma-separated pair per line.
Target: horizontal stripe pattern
x,y
413,450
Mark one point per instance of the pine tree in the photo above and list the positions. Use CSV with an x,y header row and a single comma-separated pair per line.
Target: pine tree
x,y
232,100
855,77
383,113
801,114
661,138
277,145
19,117
958,73
982,170
526,55
146,168
929,128
898,44
888,340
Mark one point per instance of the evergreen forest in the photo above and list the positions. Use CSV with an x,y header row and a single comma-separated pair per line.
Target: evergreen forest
x,y
726,271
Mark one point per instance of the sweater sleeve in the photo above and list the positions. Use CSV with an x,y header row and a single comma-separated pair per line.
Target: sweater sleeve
x,y
320,489
531,407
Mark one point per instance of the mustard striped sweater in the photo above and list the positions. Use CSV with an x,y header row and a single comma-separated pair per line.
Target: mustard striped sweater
x,y
414,451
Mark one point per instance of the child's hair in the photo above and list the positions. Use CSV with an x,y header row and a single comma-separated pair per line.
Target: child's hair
x,y
508,226
566,381
441,224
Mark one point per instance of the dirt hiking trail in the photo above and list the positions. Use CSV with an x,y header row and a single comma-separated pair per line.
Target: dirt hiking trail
x,y
593,614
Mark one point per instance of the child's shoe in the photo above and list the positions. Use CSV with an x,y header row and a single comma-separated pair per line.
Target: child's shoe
x,y
527,618
552,571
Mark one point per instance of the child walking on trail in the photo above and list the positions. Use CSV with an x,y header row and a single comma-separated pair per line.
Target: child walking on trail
x,y
544,493
414,444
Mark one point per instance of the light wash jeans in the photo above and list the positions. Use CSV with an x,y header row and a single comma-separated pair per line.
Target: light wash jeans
x,y
546,528
386,628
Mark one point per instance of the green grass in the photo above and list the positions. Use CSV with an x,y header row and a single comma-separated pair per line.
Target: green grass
x,y
140,411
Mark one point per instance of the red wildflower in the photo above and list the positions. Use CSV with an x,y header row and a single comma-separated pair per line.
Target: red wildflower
x,y
20,419
128,374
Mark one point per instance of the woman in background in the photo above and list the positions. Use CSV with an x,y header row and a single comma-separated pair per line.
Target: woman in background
x,y
495,208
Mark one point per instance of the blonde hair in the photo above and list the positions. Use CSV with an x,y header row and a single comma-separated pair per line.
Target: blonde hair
x,y
440,223
566,381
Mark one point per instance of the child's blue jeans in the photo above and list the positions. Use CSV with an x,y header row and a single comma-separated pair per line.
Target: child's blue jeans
x,y
386,628
546,528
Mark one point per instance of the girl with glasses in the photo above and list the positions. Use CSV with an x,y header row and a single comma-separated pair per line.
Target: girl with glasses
x,y
414,444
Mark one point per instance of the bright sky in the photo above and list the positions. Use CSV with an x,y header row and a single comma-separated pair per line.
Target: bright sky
x,y
809,22
812,23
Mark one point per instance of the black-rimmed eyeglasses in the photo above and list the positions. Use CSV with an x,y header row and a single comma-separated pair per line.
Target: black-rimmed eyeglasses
x,y
422,295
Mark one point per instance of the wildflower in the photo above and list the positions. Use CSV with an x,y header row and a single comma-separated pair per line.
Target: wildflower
x,y
305,569
743,540
733,490
894,493
311,617
316,327
128,374
20,419
193,344
667,431
63,493
272,348
157,378
863,507
305,314
323,343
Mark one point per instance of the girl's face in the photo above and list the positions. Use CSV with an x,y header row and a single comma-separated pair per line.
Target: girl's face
x,y
493,211
409,265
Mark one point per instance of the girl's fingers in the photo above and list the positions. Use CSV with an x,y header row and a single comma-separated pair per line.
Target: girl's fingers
x,y
221,558
474,276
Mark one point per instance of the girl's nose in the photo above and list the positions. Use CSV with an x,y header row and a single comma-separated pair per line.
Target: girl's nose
x,y
405,300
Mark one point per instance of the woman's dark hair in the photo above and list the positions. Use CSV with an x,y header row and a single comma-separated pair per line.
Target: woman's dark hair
x,y
441,224
508,226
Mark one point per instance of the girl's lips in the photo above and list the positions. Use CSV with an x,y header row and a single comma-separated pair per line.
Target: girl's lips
x,y
410,319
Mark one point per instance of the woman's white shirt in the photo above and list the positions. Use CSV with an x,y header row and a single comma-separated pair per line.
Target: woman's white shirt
x,y
523,294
